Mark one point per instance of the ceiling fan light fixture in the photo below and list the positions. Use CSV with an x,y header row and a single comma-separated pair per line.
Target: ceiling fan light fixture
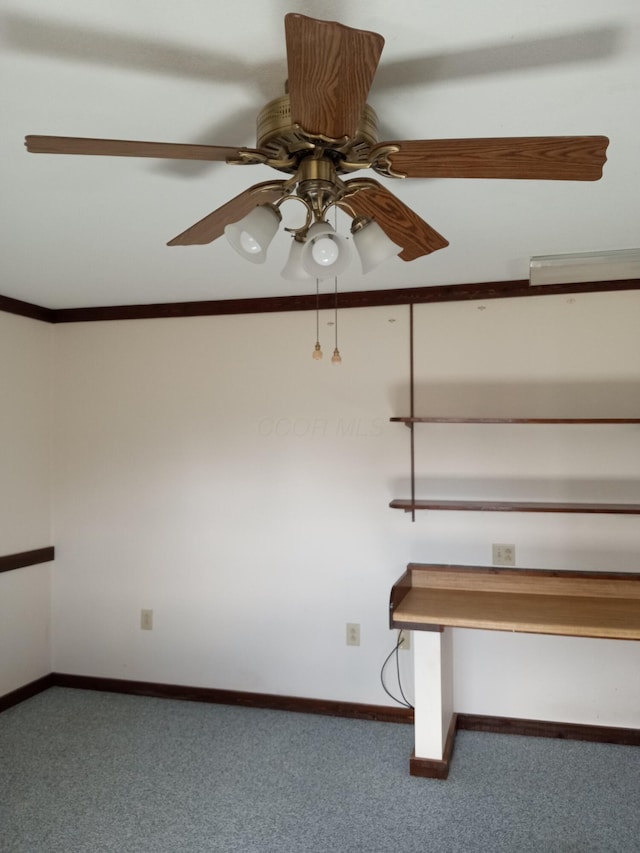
x,y
323,128
251,236
294,270
325,253
372,244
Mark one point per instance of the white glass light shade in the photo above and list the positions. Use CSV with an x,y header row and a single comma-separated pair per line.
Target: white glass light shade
x,y
325,253
373,246
250,237
293,269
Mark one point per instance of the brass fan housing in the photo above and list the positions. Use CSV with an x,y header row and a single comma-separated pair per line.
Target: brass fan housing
x,y
280,139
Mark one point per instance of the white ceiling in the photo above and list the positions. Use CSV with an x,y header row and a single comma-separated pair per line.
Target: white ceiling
x,y
89,231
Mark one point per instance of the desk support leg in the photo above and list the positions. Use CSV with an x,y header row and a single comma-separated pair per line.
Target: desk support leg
x,y
434,718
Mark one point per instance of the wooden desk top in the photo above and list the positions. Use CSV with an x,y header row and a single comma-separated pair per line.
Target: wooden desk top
x,y
579,604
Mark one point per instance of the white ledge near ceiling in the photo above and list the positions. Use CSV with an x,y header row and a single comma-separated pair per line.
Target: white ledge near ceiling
x,y
614,265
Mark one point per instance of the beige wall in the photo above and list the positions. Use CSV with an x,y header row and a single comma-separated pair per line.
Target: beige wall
x,y
25,433
208,469
560,356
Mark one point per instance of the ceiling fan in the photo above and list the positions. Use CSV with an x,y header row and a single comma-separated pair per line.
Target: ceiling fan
x,y
322,130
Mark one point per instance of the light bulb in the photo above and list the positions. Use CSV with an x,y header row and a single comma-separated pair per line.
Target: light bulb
x,y
317,351
249,243
372,244
293,269
325,251
336,358
251,236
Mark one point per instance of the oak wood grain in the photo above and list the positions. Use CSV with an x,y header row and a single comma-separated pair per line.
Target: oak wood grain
x,y
531,581
212,226
399,222
331,68
130,148
576,616
563,158
579,604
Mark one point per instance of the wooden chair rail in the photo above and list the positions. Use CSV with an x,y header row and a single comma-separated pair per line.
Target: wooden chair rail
x,y
10,562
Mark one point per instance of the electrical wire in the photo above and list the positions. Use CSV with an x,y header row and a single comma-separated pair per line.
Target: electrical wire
x,y
395,650
409,705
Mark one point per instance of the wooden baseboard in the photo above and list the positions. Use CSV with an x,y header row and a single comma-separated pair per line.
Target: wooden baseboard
x,y
297,704
432,768
547,728
26,692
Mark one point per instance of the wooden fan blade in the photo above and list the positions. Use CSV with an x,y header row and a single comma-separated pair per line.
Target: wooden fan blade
x,y
399,222
125,148
331,68
212,226
550,158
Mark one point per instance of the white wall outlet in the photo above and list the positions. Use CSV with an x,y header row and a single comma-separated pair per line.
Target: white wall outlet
x,y
146,620
353,634
504,555
404,639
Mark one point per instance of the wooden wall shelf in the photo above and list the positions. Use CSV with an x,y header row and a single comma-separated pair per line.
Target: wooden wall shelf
x,y
414,504
432,599
409,505
409,420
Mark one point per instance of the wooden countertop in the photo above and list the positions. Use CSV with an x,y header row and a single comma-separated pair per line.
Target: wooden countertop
x,y
580,604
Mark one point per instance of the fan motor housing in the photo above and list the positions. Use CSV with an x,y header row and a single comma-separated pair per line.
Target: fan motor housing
x,y
280,139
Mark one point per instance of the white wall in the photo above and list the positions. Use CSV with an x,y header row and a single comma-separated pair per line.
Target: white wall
x,y
25,424
564,356
208,469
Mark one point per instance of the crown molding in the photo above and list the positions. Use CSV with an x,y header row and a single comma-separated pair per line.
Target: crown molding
x,y
25,309
309,302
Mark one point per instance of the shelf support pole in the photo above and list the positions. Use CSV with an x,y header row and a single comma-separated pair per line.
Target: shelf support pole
x,y
412,414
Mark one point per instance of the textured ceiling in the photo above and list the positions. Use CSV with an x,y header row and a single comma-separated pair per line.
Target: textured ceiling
x,y
89,231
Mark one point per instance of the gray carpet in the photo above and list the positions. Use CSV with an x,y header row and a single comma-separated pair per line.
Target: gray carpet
x,y
82,771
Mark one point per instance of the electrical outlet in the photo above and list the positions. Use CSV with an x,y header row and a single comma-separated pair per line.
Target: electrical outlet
x,y
404,639
504,555
353,634
146,620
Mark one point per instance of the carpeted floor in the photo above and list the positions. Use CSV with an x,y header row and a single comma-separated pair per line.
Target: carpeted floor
x,y
85,772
